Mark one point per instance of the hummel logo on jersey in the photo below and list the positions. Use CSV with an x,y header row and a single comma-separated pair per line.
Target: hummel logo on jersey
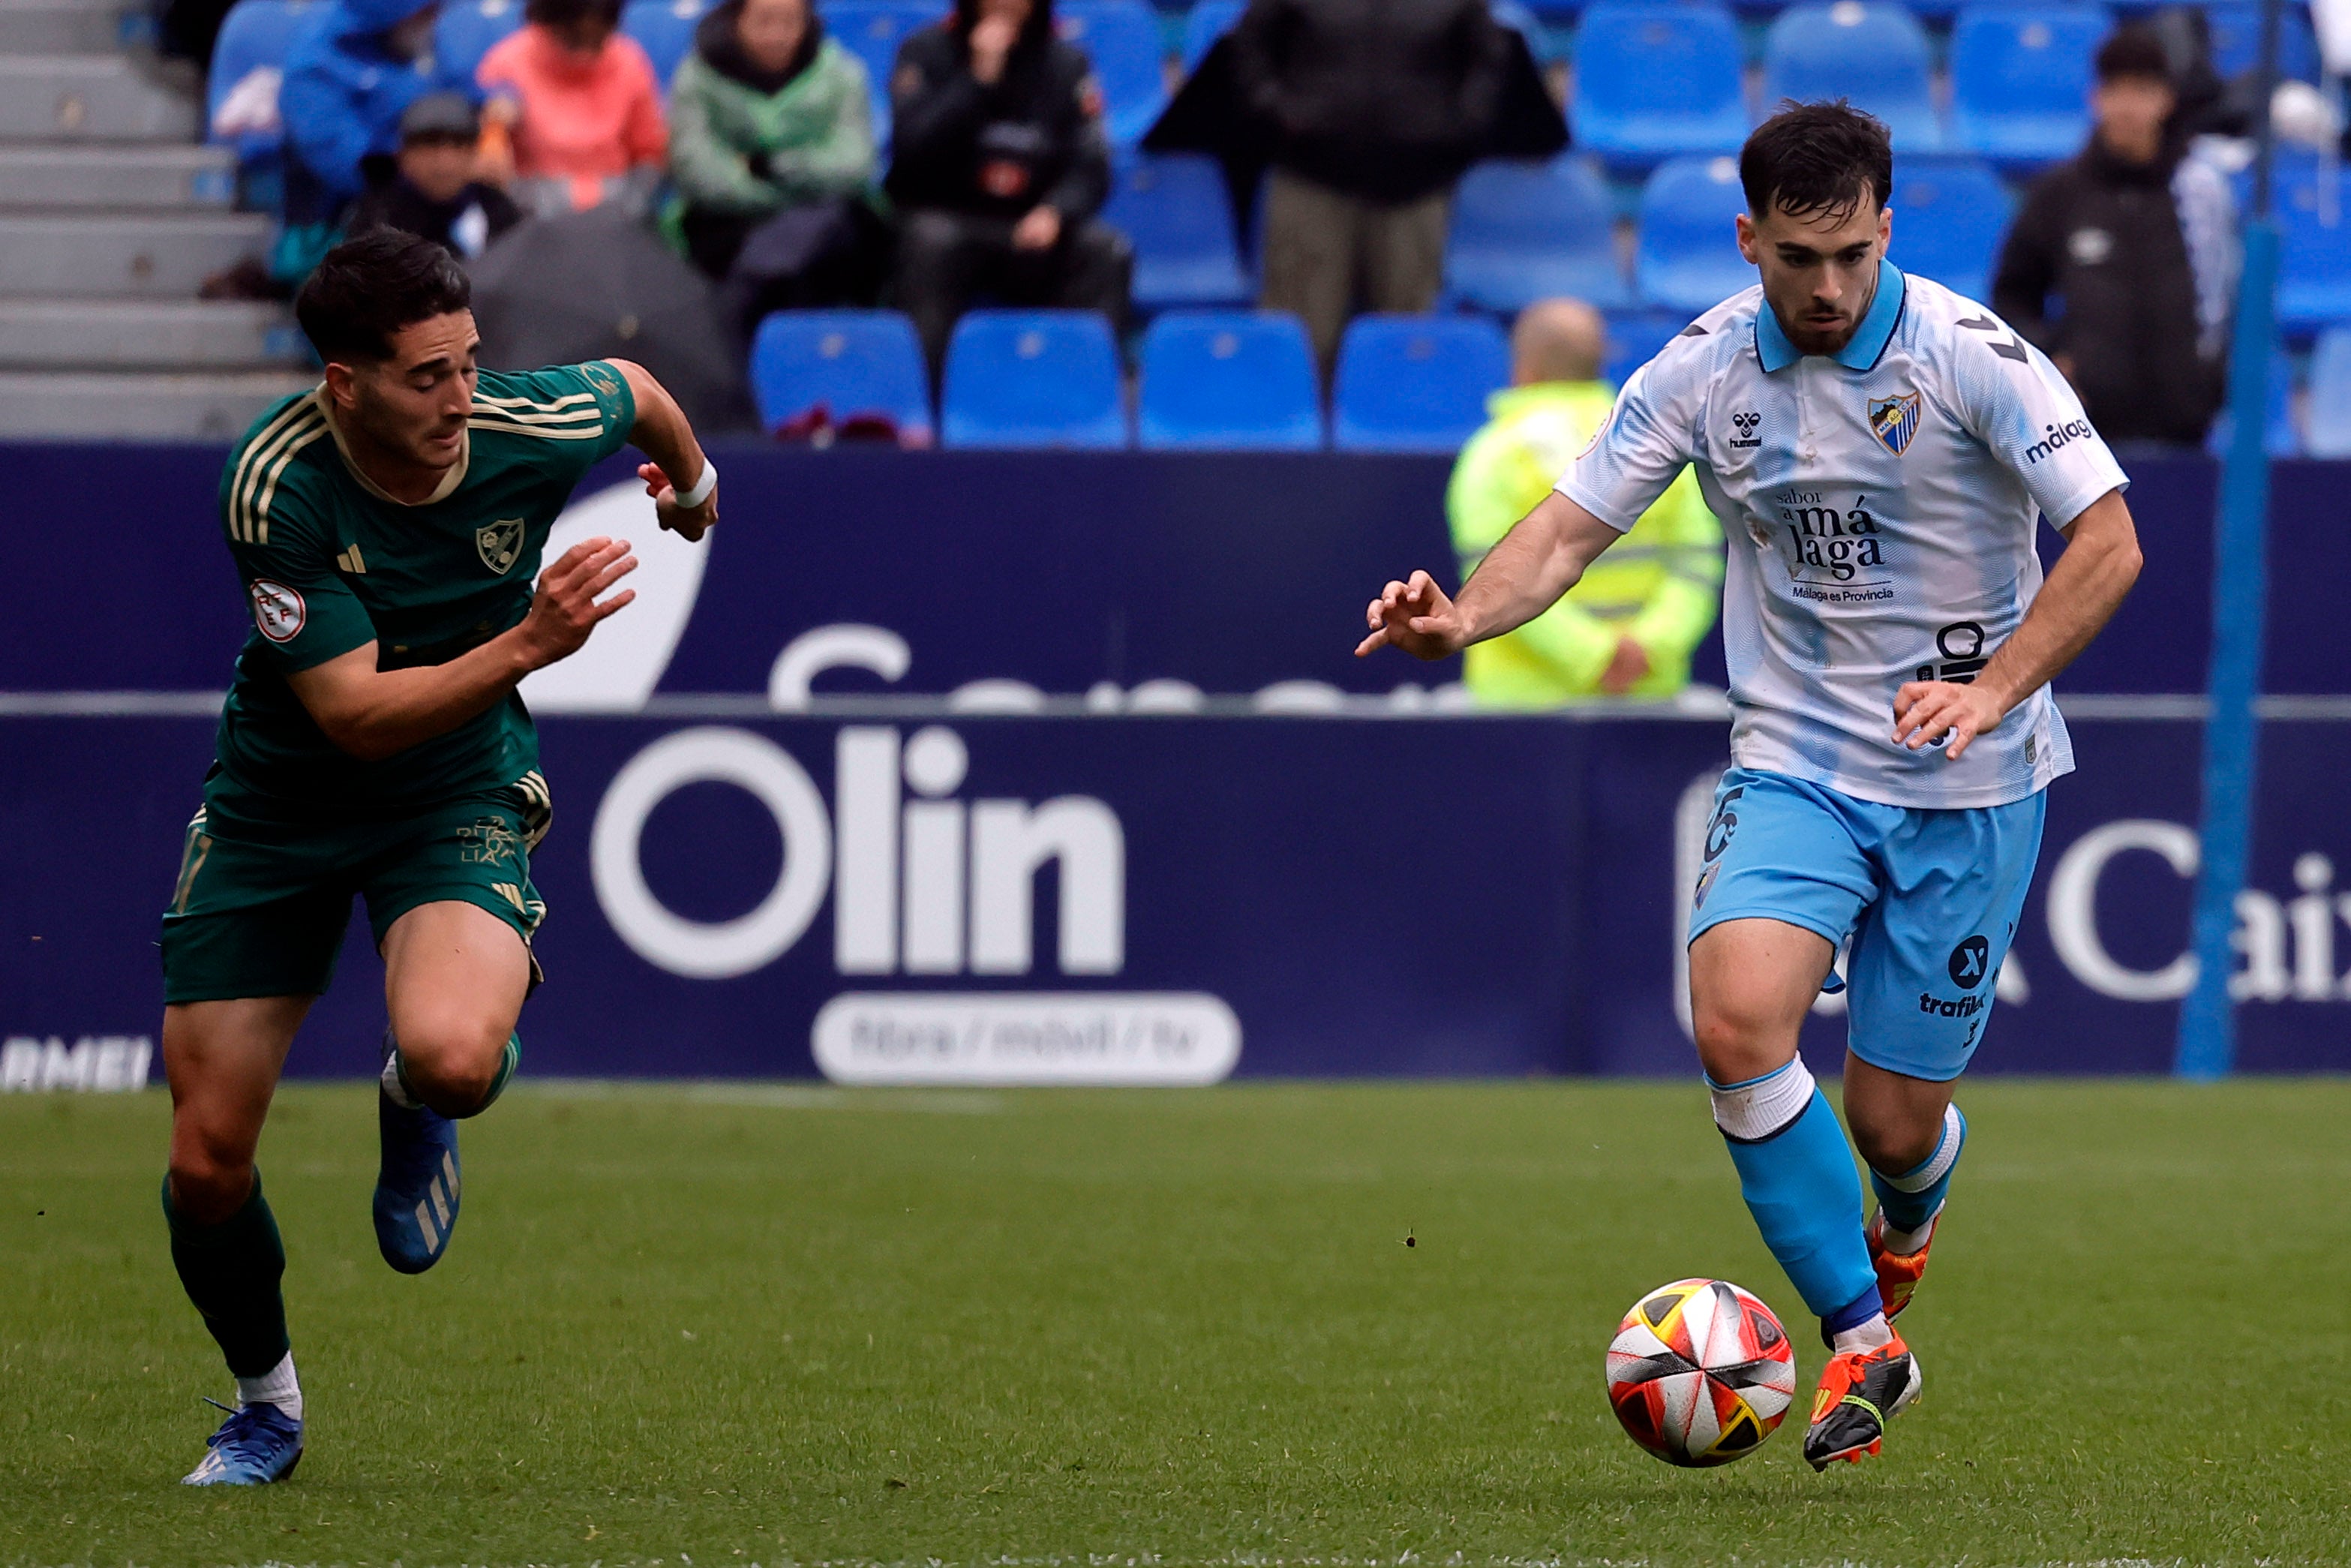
x,y
499,544
1747,419
2011,349
1893,420
2054,436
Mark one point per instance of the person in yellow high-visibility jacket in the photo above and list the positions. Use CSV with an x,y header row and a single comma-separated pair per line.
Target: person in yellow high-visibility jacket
x,y
1628,628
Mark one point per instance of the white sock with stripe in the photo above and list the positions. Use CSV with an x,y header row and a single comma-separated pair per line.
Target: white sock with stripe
x,y
277,1386
395,1086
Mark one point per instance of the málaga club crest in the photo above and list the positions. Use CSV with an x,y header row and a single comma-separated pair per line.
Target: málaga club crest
x,y
1893,420
500,542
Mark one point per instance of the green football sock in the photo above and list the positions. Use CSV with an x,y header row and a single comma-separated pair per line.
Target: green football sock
x,y
231,1271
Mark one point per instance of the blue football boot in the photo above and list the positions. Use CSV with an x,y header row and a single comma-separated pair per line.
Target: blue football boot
x,y
256,1445
416,1182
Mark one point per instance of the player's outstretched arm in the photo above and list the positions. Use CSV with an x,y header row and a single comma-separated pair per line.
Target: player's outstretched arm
x,y
663,433
375,713
1539,559
2085,589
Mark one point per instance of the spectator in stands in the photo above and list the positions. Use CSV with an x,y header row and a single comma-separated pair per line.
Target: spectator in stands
x,y
771,131
2122,262
999,165
352,70
1628,628
434,193
1376,106
580,102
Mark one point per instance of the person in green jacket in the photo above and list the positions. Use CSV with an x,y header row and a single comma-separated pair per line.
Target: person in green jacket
x,y
768,117
1627,628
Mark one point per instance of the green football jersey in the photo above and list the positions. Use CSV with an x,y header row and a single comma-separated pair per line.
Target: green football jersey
x,y
331,563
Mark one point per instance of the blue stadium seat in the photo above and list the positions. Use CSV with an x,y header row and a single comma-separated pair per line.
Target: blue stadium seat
x,y
1657,80
2278,437
1175,211
1950,215
1208,21
1874,54
2315,227
2237,41
2330,395
253,38
1687,256
872,30
466,31
851,362
1122,38
1527,231
2021,80
1634,337
1414,383
1032,378
1228,379
665,30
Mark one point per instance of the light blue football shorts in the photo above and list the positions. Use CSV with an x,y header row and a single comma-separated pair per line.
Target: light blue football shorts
x,y
1929,897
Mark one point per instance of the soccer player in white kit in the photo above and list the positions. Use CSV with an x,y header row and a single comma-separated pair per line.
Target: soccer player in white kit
x,y
1879,451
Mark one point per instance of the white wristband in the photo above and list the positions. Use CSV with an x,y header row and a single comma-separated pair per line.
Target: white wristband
x,y
690,499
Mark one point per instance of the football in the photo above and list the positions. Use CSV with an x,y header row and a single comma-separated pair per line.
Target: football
x,y
1700,1372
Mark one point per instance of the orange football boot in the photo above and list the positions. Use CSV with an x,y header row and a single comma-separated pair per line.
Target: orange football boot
x,y
1860,1392
1899,1273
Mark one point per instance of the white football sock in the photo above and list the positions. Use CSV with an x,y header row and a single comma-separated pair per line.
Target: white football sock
x,y
395,1087
1902,1243
277,1386
1865,1336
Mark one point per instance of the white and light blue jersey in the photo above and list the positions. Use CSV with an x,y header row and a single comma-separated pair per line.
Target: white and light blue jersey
x,y
1880,507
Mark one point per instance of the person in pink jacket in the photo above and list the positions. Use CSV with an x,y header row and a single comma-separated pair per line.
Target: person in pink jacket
x,y
582,105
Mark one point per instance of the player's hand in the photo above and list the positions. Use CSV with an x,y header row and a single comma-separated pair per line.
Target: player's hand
x,y
688,524
1626,668
1416,617
565,609
1927,711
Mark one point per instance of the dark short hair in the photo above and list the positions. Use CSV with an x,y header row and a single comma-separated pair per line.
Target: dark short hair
x,y
369,288
1817,157
2133,52
562,13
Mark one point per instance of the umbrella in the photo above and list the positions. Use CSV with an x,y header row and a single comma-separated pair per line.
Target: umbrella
x,y
597,285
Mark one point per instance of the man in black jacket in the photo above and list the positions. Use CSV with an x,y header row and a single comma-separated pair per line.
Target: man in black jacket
x,y
2123,264
999,166
1376,106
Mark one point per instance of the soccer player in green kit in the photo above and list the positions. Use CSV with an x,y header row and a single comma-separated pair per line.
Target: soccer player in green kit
x,y
387,526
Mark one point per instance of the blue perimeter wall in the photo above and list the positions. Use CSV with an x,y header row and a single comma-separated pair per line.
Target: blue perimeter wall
x,y
1373,884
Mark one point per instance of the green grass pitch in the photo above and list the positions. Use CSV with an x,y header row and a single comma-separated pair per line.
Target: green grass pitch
x,y
705,1326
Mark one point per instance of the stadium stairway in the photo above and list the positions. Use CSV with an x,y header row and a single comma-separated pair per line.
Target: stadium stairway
x,y
111,216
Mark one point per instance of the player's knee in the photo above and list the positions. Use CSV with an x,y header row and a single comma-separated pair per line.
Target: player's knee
x,y
208,1184
1737,1040
1893,1146
453,1063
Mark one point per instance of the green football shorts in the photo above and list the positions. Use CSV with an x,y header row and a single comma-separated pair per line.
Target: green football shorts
x,y
261,905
